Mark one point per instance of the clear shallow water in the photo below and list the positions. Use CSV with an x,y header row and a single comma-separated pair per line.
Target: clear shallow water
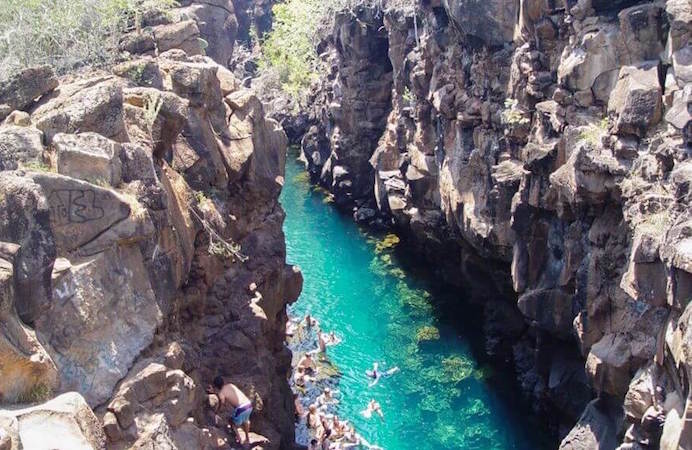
x,y
443,398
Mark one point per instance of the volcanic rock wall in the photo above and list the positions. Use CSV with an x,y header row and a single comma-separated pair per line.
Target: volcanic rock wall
x,y
543,146
141,247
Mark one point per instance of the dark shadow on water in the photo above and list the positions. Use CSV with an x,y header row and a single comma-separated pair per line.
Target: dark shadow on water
x,y
454,311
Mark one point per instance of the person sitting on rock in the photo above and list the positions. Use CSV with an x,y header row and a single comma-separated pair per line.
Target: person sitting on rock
x,y
300,411
321,343
339,428
239,406
326,399
327,442
314,423
307,364
310,322
301,378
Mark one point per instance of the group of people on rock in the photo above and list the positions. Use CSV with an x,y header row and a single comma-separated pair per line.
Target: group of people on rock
x,y
315,401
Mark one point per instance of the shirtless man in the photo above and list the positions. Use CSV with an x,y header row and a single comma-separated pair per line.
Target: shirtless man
x,y
238,405
375,374
307,364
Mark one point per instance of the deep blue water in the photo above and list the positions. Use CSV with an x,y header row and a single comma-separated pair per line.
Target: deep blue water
x,y
361,287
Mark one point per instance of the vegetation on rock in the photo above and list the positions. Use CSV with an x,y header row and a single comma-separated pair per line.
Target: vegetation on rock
x,y
67,33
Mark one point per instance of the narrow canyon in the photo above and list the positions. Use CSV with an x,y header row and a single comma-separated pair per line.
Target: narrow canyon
x,y
495,197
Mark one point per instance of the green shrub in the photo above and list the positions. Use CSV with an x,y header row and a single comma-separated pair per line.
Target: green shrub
x,y
290,49
38,393
594,132
512,114
66,33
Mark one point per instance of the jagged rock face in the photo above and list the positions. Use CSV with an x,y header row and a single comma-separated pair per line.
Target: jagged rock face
x,y
142,249
217,24
545,144
356,106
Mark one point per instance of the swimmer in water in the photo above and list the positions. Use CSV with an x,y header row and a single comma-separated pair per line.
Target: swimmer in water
x,y
373,407
376,374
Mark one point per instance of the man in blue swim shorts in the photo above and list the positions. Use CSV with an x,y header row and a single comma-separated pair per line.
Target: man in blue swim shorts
x,y
238,405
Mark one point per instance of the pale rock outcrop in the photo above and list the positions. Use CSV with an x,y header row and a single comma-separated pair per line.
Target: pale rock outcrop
x,y
66,422
183,35
89,157
103,316
93,105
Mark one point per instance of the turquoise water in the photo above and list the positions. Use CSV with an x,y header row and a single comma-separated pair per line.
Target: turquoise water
x,y
444,397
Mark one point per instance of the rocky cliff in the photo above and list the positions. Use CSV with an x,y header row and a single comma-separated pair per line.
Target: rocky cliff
x,y
141,247
538,153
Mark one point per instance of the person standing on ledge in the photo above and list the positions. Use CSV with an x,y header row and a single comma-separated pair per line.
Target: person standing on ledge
x,y
239,406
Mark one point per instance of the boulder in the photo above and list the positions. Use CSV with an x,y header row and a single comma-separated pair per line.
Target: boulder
x,y
25,220
679,16
612,360
640,395
27,373
104,314
154,117
182,35
63,423
137,164
151,388
217,26
642,28
138,43
19,118
194,80
89,157
255,147
143,72
90,105
596,429
79,211
21,90
680,114
594,57
492,21
636,101
20,146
